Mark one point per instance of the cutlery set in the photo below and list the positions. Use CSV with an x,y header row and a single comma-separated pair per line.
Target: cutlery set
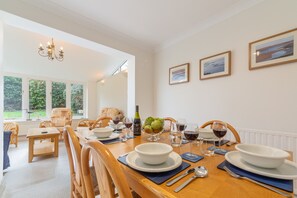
x,y
199,171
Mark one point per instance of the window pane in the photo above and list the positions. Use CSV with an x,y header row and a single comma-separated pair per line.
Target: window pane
x,y
58,94
77,99
12,97
37,98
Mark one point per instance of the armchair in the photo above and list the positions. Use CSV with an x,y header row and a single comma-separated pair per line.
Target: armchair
x,y
14,128
60,117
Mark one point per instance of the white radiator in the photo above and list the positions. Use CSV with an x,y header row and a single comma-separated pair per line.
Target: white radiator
x,y
283,140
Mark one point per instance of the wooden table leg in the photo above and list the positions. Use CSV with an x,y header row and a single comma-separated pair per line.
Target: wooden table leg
x,y
56,149
31,148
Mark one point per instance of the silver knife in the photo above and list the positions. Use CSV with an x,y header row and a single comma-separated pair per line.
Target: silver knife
x,y
191,170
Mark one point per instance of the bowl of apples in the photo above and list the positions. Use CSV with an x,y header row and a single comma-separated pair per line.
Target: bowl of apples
x,y
153,127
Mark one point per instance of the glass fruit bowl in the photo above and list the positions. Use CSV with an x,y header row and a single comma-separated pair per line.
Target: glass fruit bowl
x,y
153,127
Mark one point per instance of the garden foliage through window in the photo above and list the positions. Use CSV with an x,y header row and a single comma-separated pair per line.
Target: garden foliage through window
x,y
30,98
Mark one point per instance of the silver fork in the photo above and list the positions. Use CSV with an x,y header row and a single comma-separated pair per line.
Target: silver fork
x,y
263,185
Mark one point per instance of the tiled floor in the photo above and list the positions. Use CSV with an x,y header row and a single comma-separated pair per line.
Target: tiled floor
x,y
45,177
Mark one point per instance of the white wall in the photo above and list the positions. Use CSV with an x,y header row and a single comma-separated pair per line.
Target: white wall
x,y
143,58
259,99
1,103
113,92
92,100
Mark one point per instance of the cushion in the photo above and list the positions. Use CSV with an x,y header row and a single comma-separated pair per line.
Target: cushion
x,y
112,112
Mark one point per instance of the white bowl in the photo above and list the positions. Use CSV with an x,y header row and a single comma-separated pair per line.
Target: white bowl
x,y
206,133
262,156
103,132
153,153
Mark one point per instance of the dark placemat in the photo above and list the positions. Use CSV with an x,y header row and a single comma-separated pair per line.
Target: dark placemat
x,y
110,141
278,183
158,178
194,158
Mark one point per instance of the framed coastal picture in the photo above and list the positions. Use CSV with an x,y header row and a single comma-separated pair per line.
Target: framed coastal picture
x,y
179,74
215,66
274,50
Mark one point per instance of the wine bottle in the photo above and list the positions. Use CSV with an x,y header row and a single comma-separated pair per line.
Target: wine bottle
x,y
137,123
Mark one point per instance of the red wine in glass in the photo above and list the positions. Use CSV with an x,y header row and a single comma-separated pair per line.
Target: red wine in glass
x,y
191,135
128,124
220,133
219,129
116,121
180,127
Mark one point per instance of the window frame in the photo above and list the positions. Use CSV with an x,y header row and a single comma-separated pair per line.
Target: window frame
x,y
25,94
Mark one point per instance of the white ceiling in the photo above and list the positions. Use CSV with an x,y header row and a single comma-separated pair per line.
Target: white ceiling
x,y
151,24
154,24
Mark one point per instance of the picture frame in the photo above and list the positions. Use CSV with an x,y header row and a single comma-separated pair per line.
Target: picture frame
x,y
273,50
179,74
218,65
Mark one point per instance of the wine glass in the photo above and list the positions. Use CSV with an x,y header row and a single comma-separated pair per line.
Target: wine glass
x,y
181,124
191,134
128,122
219,129
116,121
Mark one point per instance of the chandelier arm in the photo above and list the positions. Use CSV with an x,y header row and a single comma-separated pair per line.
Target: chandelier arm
x,y
41,53
51,52
59,58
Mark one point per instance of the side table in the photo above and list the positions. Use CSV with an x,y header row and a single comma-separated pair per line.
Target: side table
x,y
44,147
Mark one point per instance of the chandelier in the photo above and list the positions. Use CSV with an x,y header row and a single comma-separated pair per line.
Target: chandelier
x,y
51,54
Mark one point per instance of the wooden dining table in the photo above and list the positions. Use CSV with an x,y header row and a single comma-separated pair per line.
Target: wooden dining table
x,y
218,183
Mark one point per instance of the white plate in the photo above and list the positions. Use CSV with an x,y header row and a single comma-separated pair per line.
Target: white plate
x,y
111,137
174,160
286,171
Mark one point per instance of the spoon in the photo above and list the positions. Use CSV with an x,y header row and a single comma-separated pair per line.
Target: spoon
x,y
191,170
200,171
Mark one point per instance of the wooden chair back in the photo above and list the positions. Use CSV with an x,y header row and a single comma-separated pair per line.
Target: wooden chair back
x,y
168,121
108,171
45,124
86,123
74,157
101,122
229,126
14,128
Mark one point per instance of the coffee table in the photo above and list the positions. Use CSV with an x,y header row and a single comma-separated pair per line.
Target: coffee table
x,y
43,147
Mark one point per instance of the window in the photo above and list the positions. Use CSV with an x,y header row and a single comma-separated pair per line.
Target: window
x,y
58,94
77,99
122,67
12,97
27,98
37,98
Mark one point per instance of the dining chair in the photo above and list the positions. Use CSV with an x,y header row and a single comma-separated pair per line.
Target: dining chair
x,y
109,173
101,122
85,123
14,128
73,148
229,126
168,121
